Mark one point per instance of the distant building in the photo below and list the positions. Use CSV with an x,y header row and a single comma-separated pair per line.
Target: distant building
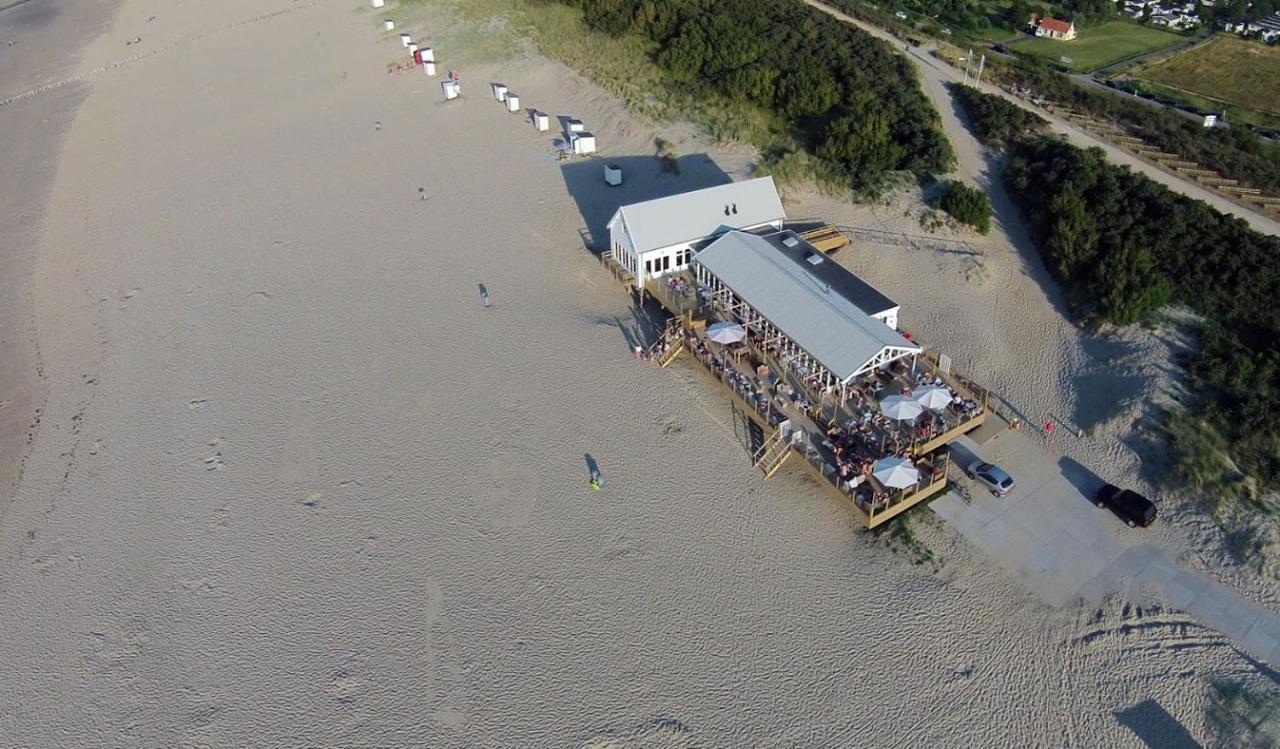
x,y
659,237
1056,28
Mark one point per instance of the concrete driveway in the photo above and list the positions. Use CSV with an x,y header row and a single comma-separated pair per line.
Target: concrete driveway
x,y
1049,535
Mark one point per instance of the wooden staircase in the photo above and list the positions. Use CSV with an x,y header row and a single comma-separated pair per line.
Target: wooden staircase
x,y
773,453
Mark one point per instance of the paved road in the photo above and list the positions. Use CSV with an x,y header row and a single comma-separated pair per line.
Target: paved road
x,y
1062,548
935,73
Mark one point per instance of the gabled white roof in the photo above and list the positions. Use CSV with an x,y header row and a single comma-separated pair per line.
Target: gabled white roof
x,y
832,329
692,216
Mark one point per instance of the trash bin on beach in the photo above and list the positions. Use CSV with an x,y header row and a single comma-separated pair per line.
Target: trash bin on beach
x,y
612,175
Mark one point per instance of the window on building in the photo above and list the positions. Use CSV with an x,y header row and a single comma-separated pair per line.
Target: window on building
x,y
648,267
666,262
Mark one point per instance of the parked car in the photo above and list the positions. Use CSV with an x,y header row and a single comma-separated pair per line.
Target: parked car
x,y
991,476
1128,505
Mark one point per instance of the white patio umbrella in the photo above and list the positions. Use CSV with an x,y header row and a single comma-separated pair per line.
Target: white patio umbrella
x,y
932,397
901,408
726,332
897,473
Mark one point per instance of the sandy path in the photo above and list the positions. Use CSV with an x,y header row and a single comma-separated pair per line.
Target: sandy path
x,y
935,73
295,486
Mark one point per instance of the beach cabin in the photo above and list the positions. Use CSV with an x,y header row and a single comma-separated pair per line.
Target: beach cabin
x,y
658,237
837,326
574,126
430,68
541,121
389,24
499,92
413,52
405,40
377,3
451,88
583,143
513,102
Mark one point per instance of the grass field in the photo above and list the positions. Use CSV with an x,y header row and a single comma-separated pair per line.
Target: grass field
x,y
1099,46
1226,69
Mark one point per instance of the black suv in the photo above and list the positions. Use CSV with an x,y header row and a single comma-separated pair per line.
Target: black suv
x,y
1129,506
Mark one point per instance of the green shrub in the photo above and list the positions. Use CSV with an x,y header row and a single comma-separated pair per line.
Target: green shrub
x,y
967,205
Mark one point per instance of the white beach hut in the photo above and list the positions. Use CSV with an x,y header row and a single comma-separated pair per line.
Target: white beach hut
x,y
612,175
413,52
583,143
389,24
428,54
499,92
377,3
541,121
574,126
430,68
405,39
451,89
513,102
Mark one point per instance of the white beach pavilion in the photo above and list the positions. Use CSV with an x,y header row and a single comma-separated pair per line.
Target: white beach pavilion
x,y
658,237
832,326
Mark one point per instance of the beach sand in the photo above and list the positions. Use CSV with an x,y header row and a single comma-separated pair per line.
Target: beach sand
x,y
294,485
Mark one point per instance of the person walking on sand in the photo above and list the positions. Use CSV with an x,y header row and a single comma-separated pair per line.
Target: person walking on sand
x,y
597,480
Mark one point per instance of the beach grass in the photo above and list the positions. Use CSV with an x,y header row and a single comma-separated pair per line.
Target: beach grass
x,y
1225,69
1099,46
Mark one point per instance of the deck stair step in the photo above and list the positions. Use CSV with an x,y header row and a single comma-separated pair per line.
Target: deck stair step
x,y
773,453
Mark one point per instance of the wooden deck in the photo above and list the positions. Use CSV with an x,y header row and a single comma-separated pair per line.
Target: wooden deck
x,y
771,455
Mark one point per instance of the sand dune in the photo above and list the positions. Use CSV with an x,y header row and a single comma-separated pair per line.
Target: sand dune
x,y
294,485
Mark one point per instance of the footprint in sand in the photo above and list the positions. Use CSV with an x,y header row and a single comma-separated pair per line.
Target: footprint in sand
x,y
506,491
344,687
198,404
298,462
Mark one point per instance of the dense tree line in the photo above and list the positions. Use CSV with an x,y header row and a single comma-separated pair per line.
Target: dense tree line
x,y
996,121
847,97
1124,245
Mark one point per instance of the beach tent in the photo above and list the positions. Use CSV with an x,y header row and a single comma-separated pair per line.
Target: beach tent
x,y
901,408
932,397
895,473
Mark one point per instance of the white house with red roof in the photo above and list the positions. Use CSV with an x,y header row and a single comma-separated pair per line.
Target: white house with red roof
x,y
1056,28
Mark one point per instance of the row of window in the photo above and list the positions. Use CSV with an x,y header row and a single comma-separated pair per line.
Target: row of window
x,y
655,265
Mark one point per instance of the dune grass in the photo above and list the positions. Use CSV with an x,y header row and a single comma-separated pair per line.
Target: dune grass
x,y
1225,69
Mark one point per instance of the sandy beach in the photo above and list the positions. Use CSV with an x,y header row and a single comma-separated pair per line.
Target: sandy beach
x,y
294,485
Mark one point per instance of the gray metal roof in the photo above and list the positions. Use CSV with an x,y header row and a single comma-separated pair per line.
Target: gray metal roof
x,y
832,329
691,216
835,276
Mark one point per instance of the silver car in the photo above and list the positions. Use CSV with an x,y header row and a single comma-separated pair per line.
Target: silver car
x,y
991,476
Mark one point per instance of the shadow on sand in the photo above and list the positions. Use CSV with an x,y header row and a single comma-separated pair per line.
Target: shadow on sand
x,y
1155,727
643,178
